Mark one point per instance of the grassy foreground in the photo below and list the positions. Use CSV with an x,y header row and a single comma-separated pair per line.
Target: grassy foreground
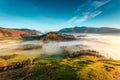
x,y
79,68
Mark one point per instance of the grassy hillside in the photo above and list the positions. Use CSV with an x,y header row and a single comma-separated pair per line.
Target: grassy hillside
x,y
57,68
11,34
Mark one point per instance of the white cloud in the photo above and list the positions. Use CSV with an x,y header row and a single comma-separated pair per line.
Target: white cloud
x,y
98,4
77,19
88,10
95,13
84,18
88,16
72,19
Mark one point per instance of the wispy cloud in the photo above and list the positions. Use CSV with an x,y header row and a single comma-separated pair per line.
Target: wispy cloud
x,y
98,4
72,19
88,16
88,10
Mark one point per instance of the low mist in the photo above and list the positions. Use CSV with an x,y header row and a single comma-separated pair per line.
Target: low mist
x,y
107,45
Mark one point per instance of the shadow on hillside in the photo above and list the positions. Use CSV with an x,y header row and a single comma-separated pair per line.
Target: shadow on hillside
x,y
30,38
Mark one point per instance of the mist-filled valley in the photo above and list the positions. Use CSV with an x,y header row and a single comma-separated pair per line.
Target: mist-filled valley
x,y
61,56
58,56
106,44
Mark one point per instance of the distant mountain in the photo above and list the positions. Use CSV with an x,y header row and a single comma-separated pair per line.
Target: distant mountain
x,y
89,30
5,32
33,32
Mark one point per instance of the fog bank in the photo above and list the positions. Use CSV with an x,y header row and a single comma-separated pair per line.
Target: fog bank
x,y
107,45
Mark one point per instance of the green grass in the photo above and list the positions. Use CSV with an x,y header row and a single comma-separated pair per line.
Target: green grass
x,y
56,68
52,72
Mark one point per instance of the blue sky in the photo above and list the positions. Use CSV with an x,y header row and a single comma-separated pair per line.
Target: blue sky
x,y
46,15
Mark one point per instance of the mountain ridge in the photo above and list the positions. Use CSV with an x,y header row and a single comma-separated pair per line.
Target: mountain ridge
x,y
85,29
31,31
10,33
6,32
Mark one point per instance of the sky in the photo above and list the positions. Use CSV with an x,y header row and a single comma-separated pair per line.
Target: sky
x,y
51,15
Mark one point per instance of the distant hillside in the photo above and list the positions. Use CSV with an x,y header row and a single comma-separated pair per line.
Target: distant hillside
x,y
89,30
55,36
51,36
4,33
33,32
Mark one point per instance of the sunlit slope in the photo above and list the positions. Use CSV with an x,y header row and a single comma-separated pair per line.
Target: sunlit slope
x,y
6,33
79,68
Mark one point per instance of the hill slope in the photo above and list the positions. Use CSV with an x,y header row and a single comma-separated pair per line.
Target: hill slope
x,y
79,68
4,33
33,32
55,36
